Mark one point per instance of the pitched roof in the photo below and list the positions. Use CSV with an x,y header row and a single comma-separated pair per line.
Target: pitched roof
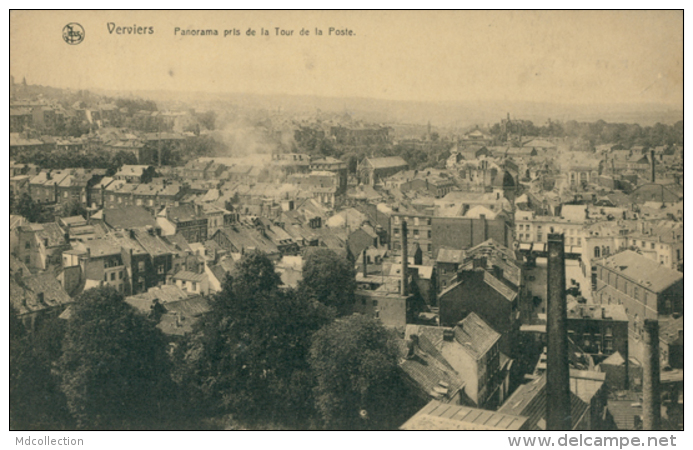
x,y
499,286
529,400
642,270
190,276
475,335
387,162
440,416
25,293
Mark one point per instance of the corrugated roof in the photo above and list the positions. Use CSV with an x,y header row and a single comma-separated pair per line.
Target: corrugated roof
x,y
530,400
440,416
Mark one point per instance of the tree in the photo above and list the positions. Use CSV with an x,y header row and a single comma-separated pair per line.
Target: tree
x,y
329,279
72,208
36,402
248,355
355,361
27,208
114,369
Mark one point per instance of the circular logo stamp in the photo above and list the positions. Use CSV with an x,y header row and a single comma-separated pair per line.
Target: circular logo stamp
x,y
73,33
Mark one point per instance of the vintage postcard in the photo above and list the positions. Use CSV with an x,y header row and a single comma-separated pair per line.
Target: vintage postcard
x,y
346,220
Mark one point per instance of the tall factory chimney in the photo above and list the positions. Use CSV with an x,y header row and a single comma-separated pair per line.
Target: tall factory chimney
x,y
651,396
557,370
404,289
365,263
652,162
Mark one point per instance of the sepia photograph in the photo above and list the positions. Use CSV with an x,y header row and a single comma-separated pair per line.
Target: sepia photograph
x,y
346,220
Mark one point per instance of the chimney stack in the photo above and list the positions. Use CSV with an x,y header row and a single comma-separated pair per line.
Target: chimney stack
x,y
557,369
365,263
651,400
652,161
405,260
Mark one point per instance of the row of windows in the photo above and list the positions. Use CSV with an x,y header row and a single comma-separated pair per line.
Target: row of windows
x,y
414,231
113,275
416,220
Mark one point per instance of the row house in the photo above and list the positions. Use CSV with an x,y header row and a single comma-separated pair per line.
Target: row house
x,y
533,228
645,288
188,220
77,187
134,173
202,170
43,187
119,193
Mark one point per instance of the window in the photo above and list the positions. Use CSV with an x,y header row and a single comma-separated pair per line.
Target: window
x,y
429,236
416,232
105,277
120,275
375,303
678,254
652,245
112,276
609,331
416,221
596,252
194,286
608,345
636,294
579,241
28,244
140,266
430,248
363,301
396,231
160,269
27,260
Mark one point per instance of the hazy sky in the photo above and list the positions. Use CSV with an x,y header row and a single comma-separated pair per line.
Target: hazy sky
x,y
563,57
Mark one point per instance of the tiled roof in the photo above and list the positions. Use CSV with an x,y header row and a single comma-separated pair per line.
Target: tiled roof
x,y
24,293
429,370
52,232
475,335
499,286
190,276
154,245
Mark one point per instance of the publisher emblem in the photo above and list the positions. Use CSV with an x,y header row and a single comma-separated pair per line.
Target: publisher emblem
x,y
73,33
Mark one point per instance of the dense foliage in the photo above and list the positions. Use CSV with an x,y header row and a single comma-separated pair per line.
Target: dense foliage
x,y
355,363
114,369
329,279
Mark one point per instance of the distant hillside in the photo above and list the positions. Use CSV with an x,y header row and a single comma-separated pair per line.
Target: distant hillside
x,y
453,115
